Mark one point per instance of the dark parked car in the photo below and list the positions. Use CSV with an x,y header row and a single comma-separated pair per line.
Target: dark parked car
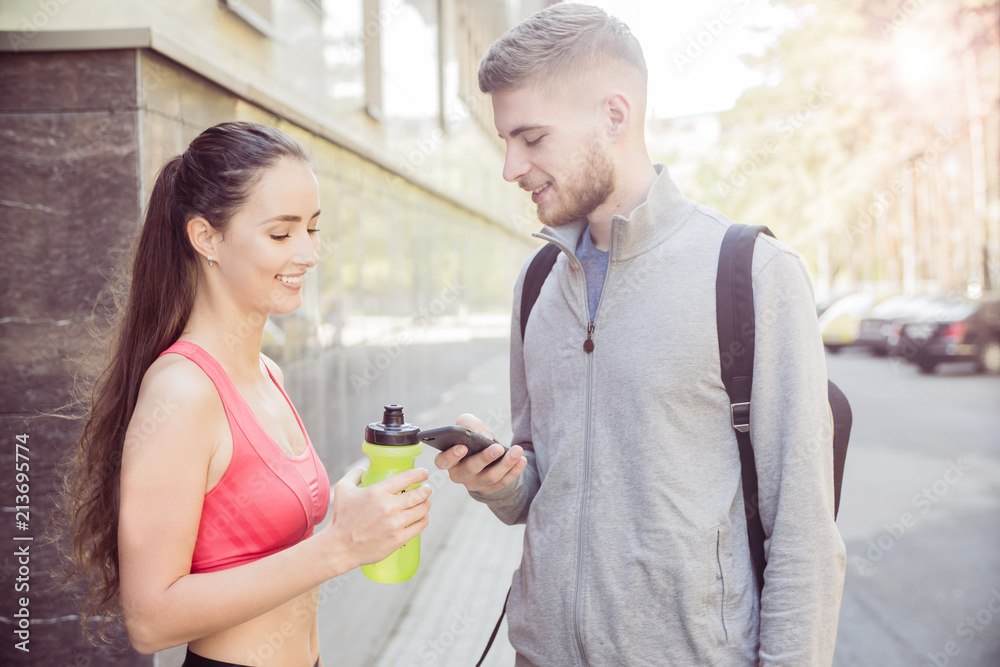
x,y
876,327
954,331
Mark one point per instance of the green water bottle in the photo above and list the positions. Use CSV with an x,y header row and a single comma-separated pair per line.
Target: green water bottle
x,y
391,446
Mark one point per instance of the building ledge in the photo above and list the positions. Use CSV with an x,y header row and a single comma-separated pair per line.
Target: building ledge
x,y
16,41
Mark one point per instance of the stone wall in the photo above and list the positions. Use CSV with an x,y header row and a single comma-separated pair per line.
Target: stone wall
x,y
69,167
413,291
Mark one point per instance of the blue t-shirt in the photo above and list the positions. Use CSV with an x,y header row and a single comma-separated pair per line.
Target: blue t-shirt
x,y
595,267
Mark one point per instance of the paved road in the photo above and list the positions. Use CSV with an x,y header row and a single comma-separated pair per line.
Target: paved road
x,y
920,515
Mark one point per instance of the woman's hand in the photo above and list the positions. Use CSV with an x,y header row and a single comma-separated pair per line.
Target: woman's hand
x,y
372,522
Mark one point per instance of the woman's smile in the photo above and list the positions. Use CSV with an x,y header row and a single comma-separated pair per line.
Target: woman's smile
x,y
293,282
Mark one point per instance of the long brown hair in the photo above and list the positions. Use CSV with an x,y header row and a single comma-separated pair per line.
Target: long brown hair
x,y
213,179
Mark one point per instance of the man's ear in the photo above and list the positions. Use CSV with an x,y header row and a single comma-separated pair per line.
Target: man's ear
x,y
203,237
617,107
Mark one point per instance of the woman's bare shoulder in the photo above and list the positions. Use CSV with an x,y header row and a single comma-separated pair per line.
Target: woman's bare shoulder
x,y
177,394
179,378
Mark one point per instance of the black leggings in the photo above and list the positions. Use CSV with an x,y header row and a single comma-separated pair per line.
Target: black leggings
x,y
195,660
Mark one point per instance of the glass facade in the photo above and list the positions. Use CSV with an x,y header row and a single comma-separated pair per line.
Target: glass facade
x,y
412,290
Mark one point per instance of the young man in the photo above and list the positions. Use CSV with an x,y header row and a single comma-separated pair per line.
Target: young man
x,y
625,467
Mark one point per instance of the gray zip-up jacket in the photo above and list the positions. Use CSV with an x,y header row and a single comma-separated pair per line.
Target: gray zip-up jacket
x,y
635,545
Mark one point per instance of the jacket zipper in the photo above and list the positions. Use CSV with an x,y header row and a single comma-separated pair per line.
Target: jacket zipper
x,y
588,347
577,604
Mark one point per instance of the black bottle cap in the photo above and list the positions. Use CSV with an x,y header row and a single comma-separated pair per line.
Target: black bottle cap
x,y
393,429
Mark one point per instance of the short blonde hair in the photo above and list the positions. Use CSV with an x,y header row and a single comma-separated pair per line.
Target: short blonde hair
x,y
556,42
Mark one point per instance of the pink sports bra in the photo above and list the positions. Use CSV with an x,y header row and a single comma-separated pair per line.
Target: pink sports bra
x,y
265,501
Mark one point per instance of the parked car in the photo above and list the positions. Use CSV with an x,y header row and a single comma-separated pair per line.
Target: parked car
x,y
825,303
841,321
876,326
955,331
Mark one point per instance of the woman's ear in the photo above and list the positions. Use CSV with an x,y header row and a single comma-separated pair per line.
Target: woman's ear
x,y
203,237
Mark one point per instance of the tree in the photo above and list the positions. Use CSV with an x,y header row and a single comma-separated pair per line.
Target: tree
x,y
872,147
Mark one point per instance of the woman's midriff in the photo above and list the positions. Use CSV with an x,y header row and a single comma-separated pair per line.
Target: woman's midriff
x,y
281,637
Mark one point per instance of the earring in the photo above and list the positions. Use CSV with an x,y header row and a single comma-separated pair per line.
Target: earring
x,y
210,260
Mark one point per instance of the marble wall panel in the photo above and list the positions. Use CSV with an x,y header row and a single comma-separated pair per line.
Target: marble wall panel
x,y
69,167
46,443
40,360
55,633
49,82
68,185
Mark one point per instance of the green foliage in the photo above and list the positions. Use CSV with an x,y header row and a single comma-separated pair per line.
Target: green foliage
x,y
857,91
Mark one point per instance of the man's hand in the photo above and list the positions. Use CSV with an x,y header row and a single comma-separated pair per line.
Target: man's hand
x,y
473,471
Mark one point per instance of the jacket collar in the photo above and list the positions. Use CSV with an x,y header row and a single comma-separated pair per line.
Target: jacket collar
x,y
646,227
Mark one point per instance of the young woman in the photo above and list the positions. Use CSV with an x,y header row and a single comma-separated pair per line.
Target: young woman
x,y
195,490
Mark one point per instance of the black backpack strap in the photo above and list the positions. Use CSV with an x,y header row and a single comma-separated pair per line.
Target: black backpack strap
x,y
538,271
735,320
496,628
842,420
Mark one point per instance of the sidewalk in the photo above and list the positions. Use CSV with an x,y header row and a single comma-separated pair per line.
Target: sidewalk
x,y
449,620
451,615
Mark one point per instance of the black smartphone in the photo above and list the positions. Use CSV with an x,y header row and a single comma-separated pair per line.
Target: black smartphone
x,y
446,437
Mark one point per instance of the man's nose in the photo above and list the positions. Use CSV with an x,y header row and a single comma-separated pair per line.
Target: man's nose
x,y
514,165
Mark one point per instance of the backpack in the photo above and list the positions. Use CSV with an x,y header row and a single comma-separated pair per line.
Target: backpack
x,y
734,316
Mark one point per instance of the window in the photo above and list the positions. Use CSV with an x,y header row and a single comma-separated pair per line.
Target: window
x,y
345,40
410,71
257,13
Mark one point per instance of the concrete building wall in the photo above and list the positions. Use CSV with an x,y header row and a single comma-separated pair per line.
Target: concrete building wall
x,y
421,243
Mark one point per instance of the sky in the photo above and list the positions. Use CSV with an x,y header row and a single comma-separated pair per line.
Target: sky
x,y
693,49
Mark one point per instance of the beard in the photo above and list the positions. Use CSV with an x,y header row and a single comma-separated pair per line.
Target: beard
x,y
585,190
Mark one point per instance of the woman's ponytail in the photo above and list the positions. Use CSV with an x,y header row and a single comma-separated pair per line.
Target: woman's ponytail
x,y
212,179
163,276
